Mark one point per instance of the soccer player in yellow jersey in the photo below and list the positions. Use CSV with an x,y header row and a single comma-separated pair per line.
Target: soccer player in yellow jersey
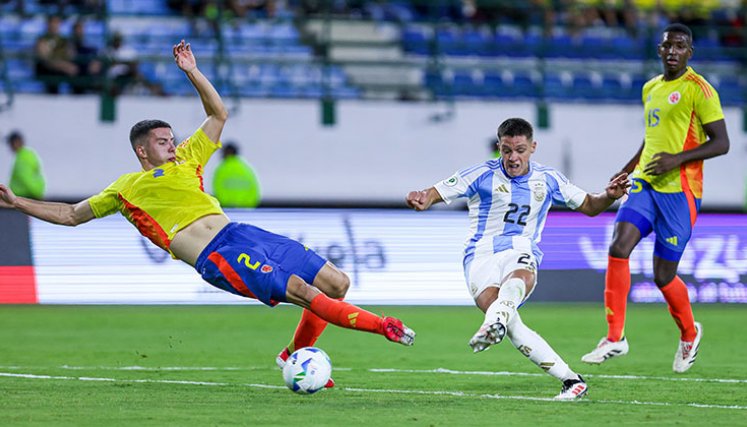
x,y
684,126
167,203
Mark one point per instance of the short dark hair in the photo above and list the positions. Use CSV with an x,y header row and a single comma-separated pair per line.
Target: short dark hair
x,y
679,28
230,149
141,129
13,136
515,127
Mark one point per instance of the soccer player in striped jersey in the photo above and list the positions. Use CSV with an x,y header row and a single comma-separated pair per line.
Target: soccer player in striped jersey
x,y
509,198
684,126
168,205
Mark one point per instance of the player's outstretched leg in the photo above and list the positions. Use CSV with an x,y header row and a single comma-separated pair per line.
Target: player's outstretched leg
x,y
346,315
534,347
687,351
606,350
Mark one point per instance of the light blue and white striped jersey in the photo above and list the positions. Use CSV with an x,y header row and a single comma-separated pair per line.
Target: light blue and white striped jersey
x,y
508,212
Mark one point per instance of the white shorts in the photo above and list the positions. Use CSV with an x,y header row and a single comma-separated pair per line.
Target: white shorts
x,y
490,271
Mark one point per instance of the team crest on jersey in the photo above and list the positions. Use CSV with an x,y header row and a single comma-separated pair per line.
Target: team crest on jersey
x,y
451,181
538,191
674,97
266,269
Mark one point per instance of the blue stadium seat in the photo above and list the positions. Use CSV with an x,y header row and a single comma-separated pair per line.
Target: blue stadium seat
x,y
138,7
556,87
447,42
612,88
415,41
584,87
524,85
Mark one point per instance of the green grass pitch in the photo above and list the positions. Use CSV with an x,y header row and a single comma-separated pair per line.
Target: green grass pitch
x,y
214,365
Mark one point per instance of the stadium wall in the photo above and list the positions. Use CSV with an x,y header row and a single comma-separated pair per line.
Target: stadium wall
x,y
392,257
376,152
17,274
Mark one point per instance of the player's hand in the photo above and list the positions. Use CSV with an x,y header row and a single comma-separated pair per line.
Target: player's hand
x,y
7,198
662,163
418,200
184,57
618,186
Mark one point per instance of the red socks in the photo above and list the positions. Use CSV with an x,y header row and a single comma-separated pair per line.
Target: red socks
x,y
616,288
675,293
346,315
309,328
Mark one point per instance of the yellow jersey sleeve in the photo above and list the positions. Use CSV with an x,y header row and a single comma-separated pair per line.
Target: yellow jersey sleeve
x,y
197,147
107,201
707,103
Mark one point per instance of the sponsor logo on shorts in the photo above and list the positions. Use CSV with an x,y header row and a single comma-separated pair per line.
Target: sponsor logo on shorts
x,y
266,269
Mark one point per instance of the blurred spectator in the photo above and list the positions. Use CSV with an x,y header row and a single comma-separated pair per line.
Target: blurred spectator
x,y
124,69
87,60
252,8
235,183
27,177
54,57
187,8
493,144
734,21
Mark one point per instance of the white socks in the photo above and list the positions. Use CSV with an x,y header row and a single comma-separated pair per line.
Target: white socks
x,y
533,346
509,297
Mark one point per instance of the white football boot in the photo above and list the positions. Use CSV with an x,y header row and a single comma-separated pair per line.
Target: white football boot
x,y
573,389
487,335
606,349
687,352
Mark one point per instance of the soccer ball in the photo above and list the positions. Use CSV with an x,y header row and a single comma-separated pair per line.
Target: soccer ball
x,y
307,370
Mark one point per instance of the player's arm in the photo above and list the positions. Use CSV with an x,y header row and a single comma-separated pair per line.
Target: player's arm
x,y
211,100
594,204
424,199
717,145
56,213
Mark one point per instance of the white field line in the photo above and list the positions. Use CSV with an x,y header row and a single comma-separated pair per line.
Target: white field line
x,y
535,374
367,390
385,370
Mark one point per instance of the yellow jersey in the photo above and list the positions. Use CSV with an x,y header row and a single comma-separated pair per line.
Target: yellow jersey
x,y
162,201
676,111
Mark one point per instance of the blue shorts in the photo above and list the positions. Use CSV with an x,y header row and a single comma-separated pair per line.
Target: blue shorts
x,y
251,262
670,215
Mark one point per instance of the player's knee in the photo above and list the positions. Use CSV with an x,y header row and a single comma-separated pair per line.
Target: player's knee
x,y
340,285
663,278
619,249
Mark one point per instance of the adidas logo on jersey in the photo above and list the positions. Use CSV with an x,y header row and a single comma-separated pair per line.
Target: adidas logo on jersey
x,y
502,188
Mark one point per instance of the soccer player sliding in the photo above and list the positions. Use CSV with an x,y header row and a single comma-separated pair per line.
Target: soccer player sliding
x,y
168,205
